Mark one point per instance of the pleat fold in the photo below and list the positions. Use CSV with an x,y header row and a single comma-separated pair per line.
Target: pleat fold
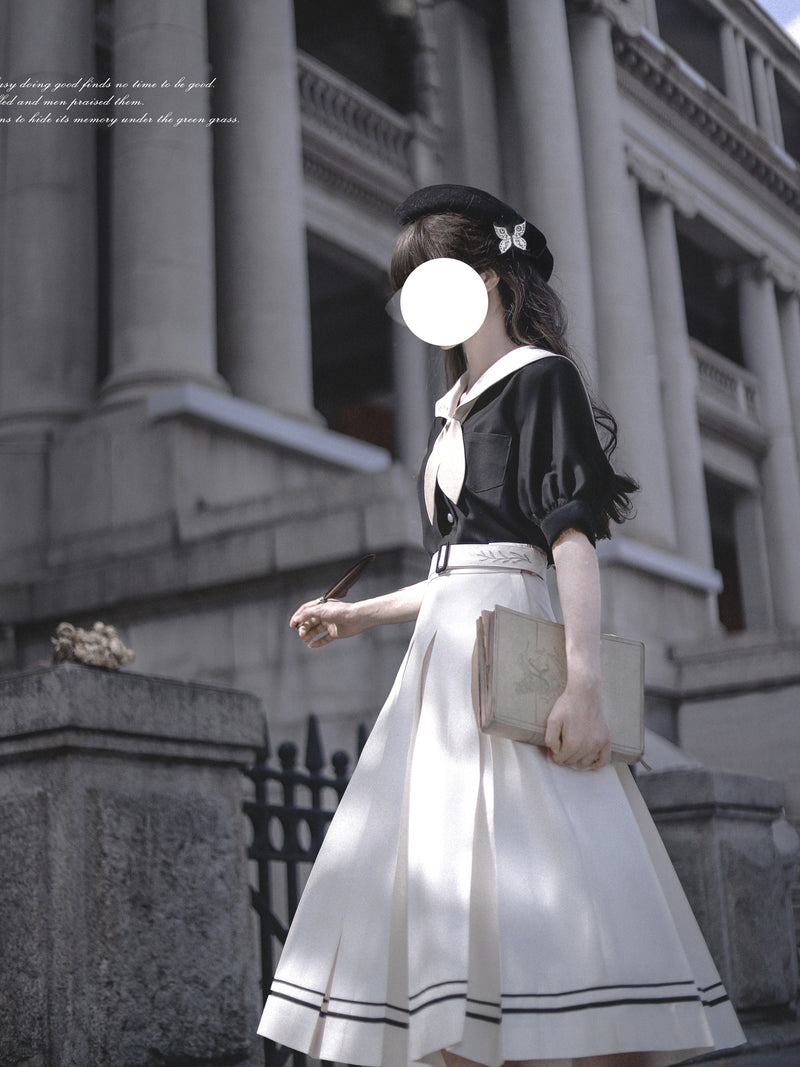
x,y
471,895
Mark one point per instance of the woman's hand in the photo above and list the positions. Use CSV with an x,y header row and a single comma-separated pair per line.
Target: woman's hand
x,y
320,622
577,730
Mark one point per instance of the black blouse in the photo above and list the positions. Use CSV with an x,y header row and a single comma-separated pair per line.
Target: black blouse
x,y
534,464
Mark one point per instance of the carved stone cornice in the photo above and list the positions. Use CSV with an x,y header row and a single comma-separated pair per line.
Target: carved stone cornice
x,y
712,118
620,13
660,183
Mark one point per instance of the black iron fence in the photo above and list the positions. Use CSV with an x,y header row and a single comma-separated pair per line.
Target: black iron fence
x,y
290,812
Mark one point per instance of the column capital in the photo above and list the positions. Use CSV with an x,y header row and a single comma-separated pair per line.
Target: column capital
x,y
769,268
618,12
658,182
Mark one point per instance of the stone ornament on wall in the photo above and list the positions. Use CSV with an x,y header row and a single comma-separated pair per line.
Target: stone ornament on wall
x,y
99,647
657,181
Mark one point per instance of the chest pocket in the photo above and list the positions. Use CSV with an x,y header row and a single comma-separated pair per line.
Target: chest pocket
x,y
487,458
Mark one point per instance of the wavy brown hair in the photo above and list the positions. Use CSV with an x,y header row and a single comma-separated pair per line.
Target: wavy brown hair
x,y
534,313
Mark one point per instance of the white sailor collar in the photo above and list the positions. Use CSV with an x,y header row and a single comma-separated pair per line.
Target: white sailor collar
x,y
447,405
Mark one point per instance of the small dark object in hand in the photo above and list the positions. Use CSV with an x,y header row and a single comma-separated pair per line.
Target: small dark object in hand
x,y
345,583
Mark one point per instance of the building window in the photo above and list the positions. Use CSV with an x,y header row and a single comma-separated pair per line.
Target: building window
x,y
789,108
712,299
351,345
721,513
692,29
369,42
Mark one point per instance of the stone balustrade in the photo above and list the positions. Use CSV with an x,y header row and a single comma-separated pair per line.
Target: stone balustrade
x,y
726,381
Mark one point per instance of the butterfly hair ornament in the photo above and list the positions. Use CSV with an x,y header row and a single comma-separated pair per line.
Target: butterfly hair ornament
x,y
508,239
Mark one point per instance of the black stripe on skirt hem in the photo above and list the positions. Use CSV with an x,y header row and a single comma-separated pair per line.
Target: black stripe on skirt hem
x,y
562,1009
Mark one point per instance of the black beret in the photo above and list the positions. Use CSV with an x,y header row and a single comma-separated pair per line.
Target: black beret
x,y
519,236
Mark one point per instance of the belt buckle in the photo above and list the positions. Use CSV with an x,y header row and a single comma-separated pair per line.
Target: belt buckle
x,y
442,557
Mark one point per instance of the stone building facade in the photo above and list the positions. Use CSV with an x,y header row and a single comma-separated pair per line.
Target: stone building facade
x,y
205,414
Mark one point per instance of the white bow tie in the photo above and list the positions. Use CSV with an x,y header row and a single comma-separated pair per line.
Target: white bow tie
x,y
447,464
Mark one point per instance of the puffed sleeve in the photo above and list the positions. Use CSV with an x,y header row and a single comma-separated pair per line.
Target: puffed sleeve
x,y
565,478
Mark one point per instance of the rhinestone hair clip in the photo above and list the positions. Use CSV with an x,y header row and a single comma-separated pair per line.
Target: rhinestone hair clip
x,y
508,239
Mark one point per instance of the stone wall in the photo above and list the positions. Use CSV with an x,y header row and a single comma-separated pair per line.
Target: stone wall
x,y
735,855
127,933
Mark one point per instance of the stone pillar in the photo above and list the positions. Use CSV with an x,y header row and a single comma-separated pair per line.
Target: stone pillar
x,y
679,378
629,372
413,407
470,146
734,853
262,267
789,310
548,147
761,98
762,348
163,317
774,106
744,69
48,304
124,889
737,79
753,559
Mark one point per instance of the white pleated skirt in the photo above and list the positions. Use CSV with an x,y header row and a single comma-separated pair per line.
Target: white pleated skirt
x,y
472,895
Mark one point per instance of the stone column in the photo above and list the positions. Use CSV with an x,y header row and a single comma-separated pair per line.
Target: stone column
x,y
789,310
262,268
762,348
470,146
629,372
128,935
774,106
548,148
744,75
763,106
737,80
48,307
163,316
753,558
413,410
679,383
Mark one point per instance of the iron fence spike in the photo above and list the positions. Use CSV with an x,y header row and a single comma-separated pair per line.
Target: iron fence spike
x,y
315,759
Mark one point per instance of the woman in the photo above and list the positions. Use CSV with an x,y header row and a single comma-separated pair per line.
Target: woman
x,y
476,898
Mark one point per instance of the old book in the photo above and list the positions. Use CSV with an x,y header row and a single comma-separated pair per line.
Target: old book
x,y
522,670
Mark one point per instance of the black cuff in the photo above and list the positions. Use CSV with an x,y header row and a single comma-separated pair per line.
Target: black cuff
x,y
574,514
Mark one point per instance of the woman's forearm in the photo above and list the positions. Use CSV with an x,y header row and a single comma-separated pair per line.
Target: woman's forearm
x,y
402,605
578,577
577,730
319,622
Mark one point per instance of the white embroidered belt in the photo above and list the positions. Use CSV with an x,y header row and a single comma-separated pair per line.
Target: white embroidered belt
x,y
498,555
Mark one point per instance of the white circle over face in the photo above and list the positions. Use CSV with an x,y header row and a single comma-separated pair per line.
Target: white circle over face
x,y
444,302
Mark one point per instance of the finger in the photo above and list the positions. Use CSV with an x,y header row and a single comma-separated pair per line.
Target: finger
x,y
601,758
604,757
558,755
572,759
321,639
553,736
304,612
309,629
